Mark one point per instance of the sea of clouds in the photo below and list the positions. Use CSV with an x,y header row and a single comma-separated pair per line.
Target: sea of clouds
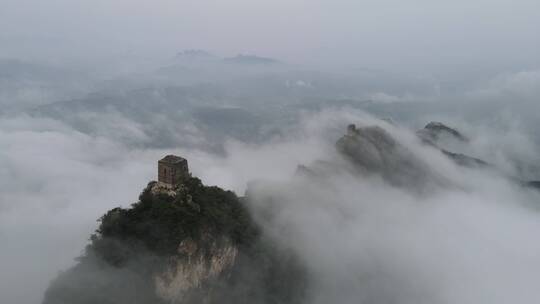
x,y
362,239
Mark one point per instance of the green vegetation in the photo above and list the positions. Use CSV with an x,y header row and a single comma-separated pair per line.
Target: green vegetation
x,y
159,222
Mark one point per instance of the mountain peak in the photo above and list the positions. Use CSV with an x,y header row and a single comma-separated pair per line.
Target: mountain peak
x,y
434,130
194,54
250,59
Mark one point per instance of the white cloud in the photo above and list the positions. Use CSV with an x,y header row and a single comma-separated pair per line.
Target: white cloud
x,y
515,87
361,238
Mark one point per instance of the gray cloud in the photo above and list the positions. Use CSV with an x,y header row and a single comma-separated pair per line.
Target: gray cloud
x,y
391,34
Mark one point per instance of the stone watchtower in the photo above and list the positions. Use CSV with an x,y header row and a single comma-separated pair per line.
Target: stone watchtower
x,y
352,130
172,170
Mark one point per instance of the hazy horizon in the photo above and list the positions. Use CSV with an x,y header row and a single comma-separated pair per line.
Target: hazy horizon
x,y
392,35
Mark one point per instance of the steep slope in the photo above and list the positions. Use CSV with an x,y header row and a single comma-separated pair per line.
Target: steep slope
x,y
435,131
192,244
372,150
440,136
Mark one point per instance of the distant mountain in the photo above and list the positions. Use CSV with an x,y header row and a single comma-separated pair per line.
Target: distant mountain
x,y
250,59
373,150
434,131
195,54
202,55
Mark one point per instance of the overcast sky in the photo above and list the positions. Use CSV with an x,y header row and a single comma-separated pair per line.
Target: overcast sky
x,y
372,33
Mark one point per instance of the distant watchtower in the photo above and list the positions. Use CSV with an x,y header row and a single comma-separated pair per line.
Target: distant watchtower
x,y
352,130
172,170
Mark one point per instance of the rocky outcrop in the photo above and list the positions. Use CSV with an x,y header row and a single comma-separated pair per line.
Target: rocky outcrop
x,y
373,150
465,160
160,188
197,264
435,131
436,134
